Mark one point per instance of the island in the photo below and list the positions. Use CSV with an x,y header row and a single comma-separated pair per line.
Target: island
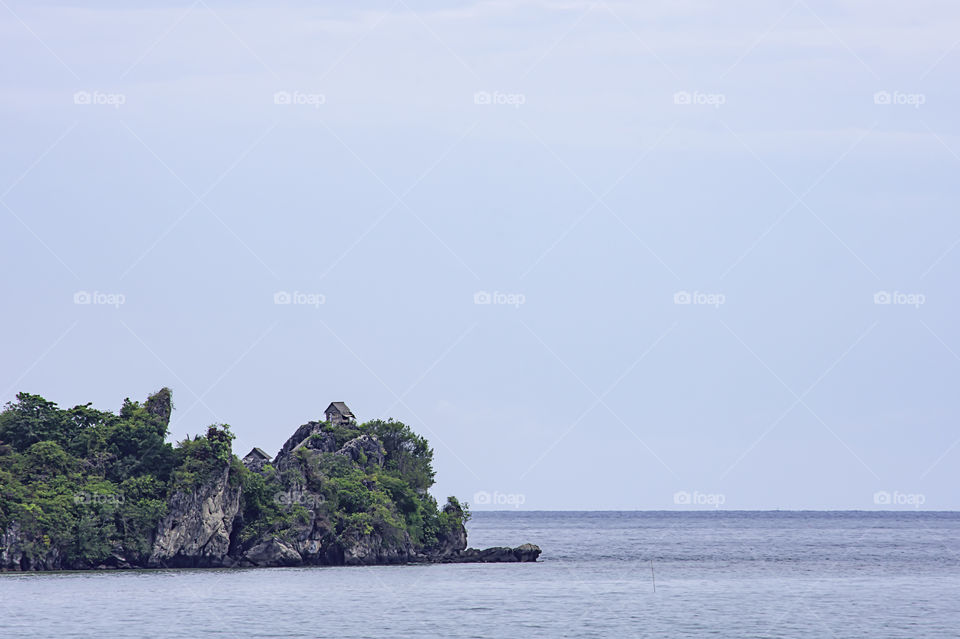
x,y
86,489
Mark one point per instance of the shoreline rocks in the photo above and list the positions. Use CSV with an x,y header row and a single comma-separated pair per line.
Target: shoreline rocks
x,y
498,554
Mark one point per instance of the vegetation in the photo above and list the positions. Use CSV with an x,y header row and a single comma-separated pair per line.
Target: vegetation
x,y
84,483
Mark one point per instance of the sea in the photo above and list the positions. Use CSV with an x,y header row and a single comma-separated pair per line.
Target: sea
x,y
712,574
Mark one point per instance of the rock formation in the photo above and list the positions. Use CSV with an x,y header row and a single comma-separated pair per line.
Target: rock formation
x,y
314,540
196,531
336,494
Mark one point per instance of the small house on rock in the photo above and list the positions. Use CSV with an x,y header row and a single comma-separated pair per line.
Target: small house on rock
x,y
338,413
256,458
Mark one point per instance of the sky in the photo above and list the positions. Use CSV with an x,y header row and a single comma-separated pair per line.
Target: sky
x,y
603,255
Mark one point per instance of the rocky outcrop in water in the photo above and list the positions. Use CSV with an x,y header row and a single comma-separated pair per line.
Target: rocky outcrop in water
x,y
271,553
526,552
87,489
302,467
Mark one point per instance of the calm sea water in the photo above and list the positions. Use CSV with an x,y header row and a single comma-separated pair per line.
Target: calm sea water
x,y
717,574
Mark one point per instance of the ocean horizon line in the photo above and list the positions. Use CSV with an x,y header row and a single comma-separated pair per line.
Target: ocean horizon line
x,y
708,510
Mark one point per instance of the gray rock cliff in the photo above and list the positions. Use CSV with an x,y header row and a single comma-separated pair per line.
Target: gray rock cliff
x,y
196,531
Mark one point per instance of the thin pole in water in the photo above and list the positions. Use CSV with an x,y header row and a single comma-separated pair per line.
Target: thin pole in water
x,y
653,576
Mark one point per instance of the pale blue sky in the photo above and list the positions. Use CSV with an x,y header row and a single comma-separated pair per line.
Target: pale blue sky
x,y
788,188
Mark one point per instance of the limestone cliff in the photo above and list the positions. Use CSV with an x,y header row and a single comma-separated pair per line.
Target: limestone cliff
x,y
196,531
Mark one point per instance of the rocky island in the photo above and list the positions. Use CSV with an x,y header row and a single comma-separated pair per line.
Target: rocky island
x,y
87,489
